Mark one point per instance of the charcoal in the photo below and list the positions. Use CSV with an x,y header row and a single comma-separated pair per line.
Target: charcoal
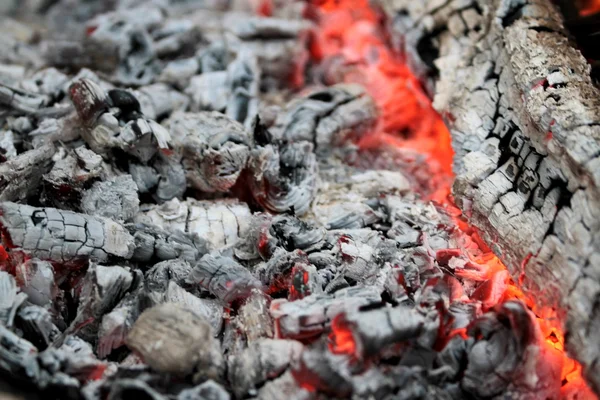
x,y
145,177
449,362
171,178
209,91
36,324
243,81
176,38
293,233
214,149
102,289
158,277
217,222
261,360
224,278
159,100
179,72
21,101
255,240
283,179
20,176
123,389
47,81
17,357
209,390
7,145
11,298
311,315
63,236
117,323
36,280
253,317
115,198
186,342
154,243
208,309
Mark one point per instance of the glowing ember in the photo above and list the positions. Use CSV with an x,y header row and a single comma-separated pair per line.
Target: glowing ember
x,y
589,7
350,32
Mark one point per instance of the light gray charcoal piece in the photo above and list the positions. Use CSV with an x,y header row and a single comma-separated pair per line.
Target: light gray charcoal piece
x,y
219,222
177,37
36,280
223,277
64,236
209,390
11,298
7,144
121,389
179,72
73,171
22,101
36,324
285,385
260,361
113,119
209,91
115,198
47,81
157,278
283,178
173,339
117,323
214,148
243,80
292,233
159,100
119,45
209,309
310,316
278,272
102,289
154,243
253,317
328,117
171,177
523,114
256,242
18,357
65,130
20,176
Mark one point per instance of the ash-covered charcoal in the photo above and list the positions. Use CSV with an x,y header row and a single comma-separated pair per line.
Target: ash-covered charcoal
x,y
36,279
113,119
63,236
219,222
243,79
37,326
262,360
170,178
102,289
209,390
117,323
72,173
173,339
328,117
364,334
18,357
21,101
214,149
310,316
256,241
253,317
154,243
115,198
157,278
224,278
283,178
285,386
11,298
158,100
20,176
293,233
210,309
289,271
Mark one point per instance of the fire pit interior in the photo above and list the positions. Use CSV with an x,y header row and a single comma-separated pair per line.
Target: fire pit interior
x,y
283,199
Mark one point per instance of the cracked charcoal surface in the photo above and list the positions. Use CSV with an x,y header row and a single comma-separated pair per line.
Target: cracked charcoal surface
x,y
186,213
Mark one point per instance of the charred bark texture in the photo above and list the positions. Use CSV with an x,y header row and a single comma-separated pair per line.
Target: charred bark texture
x,y
525,122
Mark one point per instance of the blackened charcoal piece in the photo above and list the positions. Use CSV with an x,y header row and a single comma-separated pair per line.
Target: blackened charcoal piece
x,y
119,46
224,278
126,102
327,117
209,390
173,339
499,358
115,198
36,279
213,147
283,179
103,287
260,361
310,316
216,221
21,101
364,334
36,324
20,176
253,317
18,357
293,233
10,298
154,243
63,236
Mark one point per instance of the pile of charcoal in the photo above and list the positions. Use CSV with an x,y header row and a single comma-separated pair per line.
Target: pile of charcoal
x,y
185,214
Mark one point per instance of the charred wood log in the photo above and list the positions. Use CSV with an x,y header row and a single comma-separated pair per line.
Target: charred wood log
x,y
523,114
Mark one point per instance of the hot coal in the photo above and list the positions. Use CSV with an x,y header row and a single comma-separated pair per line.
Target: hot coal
x,y
187,222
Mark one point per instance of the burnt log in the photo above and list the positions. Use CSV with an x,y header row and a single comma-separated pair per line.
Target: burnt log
x,y
524,118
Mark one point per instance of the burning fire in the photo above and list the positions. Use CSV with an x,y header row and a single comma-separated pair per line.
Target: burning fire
x,y
349,31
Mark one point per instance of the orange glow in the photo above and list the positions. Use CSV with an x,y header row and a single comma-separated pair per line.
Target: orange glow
x,y
349,31
589,7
